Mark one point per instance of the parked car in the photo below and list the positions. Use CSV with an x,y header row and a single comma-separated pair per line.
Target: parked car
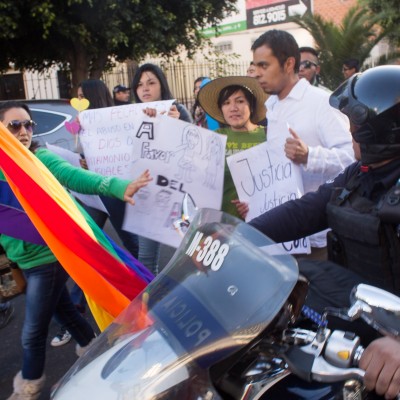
x,y
50,117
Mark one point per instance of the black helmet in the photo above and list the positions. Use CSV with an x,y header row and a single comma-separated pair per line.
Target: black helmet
x,y
371,100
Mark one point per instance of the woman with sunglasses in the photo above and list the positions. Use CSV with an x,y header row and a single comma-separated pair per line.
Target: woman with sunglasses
x,y
46,292
99,96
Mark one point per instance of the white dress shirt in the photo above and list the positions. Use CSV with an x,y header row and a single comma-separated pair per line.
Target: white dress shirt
x,y
325,130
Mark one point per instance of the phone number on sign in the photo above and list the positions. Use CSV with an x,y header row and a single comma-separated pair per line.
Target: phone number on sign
x,y
269,17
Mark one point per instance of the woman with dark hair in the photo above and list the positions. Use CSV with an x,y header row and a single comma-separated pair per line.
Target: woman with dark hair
x,y
96,91
46,292
237,102
200,118
150,84
198,114
99,96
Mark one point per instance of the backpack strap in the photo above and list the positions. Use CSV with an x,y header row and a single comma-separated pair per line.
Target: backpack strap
x,y
351,186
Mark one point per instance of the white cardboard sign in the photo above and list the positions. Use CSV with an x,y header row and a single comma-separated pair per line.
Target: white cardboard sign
x,y
265,178
181,157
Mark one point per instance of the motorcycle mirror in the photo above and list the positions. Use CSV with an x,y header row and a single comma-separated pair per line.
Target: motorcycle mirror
x,y
188,213
377,307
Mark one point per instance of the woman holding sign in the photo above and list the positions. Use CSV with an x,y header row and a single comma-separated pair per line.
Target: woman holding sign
x,y
46,292
237,102
150,84
99,96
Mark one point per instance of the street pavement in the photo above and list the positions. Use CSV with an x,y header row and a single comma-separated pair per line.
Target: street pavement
x,y
58,359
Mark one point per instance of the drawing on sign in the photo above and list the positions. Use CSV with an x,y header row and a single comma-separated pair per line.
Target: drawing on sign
x,y
214,153
191,147
173,216
163,198
142,201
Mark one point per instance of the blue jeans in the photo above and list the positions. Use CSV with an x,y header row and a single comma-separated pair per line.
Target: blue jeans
x,y
149,253
78,298
47,296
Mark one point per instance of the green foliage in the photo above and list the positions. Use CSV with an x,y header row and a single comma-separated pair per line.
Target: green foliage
x,y
87,36
8,17
390,16
355,37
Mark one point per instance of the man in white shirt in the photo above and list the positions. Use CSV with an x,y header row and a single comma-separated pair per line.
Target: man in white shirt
x,y
313,134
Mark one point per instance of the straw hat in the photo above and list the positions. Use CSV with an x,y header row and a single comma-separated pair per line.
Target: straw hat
x,y
209,93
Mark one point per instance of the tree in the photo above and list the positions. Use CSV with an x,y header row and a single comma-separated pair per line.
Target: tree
x,y
87,36
390,16
358,33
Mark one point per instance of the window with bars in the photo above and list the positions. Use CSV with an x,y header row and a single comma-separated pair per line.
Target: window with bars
x,y
224,47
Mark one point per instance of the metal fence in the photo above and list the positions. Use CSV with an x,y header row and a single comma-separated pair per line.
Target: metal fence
x,y
180,76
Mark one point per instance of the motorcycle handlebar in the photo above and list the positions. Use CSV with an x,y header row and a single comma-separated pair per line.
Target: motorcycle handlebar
x,y
323,356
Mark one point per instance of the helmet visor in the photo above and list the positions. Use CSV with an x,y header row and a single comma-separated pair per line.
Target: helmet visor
x,y
341,97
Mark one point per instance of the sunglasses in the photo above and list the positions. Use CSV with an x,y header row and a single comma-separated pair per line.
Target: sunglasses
x,y
308,64
15,125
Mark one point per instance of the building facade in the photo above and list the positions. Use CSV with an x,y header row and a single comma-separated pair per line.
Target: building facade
x,y
254,17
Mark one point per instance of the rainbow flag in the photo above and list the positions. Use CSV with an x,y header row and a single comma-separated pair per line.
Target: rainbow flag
x,y
13,220
110,277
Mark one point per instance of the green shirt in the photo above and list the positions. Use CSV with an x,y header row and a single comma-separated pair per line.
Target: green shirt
x,y
236,142
28,255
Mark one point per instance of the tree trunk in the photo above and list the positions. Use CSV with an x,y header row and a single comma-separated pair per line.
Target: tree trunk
x,y
98,65
132,67
79,64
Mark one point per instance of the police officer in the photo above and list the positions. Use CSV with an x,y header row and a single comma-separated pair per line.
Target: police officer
x,y
361,205
362,208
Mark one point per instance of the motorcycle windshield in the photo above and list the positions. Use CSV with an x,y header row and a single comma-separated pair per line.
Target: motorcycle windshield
x,y
217,294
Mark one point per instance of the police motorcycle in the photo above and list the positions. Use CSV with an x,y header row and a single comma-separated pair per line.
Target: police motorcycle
x,y
219,322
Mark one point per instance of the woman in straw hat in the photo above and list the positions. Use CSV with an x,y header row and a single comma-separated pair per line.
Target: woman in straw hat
x,y
237,102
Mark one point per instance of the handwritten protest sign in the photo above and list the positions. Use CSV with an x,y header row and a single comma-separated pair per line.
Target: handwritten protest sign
x,y
181,158
73,158
107,136
265,178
